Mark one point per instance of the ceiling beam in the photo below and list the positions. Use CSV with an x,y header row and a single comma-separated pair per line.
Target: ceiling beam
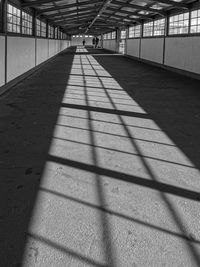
x,y
74,16
103,8
173,3
140,8
46,10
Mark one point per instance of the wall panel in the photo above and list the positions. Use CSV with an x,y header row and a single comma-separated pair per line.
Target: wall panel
x,y
51,48
183,53
110,45
133,47
42,50
152,49
24,53
21,56
2,60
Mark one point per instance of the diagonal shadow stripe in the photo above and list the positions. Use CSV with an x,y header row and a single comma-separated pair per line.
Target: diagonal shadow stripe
x,y
163,187
65,250
107,110
120,215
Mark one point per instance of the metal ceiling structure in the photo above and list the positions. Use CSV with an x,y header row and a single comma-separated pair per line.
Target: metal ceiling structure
x,y
101,16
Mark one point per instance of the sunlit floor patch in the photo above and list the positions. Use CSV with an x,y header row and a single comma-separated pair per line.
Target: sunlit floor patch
x,y
116,190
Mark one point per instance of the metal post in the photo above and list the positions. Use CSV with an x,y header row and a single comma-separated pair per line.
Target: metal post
x,y
4,11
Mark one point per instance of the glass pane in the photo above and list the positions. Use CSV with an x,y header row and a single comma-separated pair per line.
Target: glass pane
x,y
194,14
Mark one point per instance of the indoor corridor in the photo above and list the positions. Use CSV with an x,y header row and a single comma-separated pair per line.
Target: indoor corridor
x,y
100,159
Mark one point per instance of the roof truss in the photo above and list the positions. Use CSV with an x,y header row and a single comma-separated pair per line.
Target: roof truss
x,y
79,16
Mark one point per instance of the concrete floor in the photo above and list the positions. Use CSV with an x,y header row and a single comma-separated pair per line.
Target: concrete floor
x,y
100,159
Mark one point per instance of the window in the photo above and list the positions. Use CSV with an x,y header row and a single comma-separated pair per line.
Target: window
x,y
50,31
13,19
109,35
123,34
179,24
41,28
38,27
27,23
195,21
134,31
56,33
148,29
113,35
159,27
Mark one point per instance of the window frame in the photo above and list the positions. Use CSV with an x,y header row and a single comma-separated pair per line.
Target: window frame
x,y
42,33
188,26
121,35
19,17
164,29
51,31
198,18
32,22
143,29
135,37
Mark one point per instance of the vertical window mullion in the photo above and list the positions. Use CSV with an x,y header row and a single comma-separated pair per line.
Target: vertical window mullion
x,y
189,24
20,21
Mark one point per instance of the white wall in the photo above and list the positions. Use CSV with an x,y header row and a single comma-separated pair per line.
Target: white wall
x,y
2,60
133,47
20,56
79,40
54,47
42,50
110,45
24,54
152,49
64,44
183,53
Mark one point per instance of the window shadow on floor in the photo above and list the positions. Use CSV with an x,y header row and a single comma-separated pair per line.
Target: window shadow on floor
x,y
171,100
28,114
166,100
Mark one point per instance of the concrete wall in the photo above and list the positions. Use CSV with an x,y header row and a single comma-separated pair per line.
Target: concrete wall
x,y
152,49
2,60
24,54
183,53
110,45
133,47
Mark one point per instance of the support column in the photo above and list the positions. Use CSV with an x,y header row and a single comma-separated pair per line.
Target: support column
x,y
4,30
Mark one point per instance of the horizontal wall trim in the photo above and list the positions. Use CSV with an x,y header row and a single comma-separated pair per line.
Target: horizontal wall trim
x,y
163,36
160,36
